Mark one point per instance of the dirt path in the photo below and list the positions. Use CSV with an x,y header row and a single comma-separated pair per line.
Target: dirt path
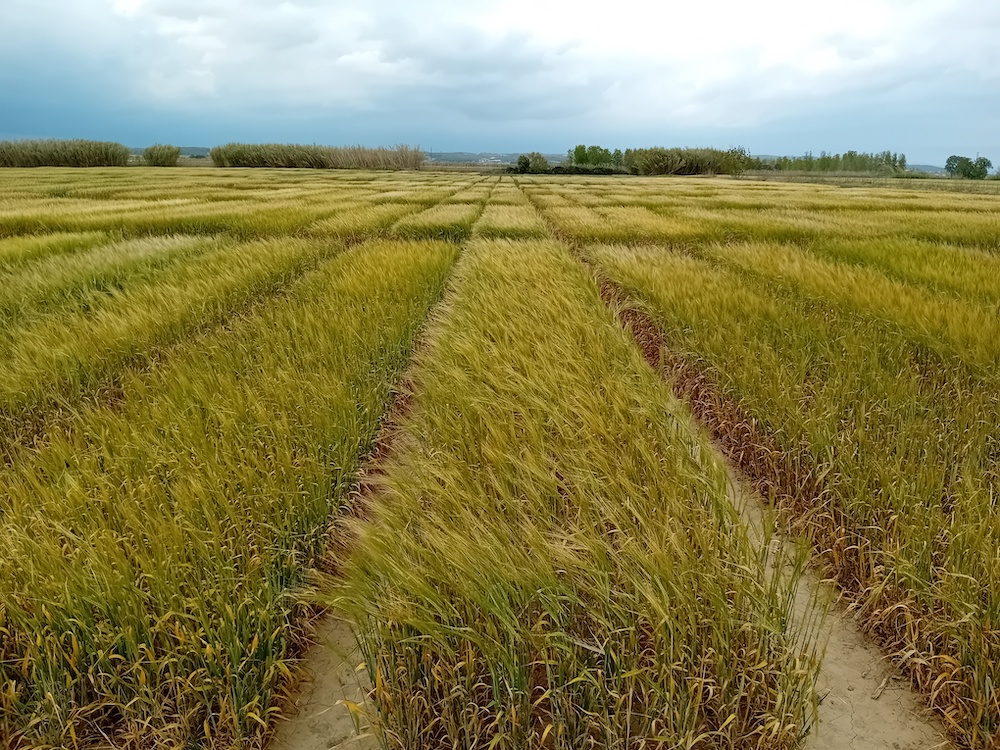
x,y
323,721
866,703
851,716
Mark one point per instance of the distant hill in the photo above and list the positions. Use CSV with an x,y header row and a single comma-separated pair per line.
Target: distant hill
x,y
926,168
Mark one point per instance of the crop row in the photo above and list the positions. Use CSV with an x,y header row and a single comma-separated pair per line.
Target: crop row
x,y
553,560
639,212
309,209
54,356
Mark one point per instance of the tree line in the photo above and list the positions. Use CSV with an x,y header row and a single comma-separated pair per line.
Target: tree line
x,y
584,159
883,162
708,161
87,153
641,161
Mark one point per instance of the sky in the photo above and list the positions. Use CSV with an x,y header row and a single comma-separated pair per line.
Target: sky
x,y
776,76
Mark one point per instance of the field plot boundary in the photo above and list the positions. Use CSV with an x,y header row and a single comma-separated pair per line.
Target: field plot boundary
x,y
527,460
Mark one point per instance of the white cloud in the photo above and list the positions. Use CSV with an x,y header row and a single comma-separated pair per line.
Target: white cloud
x,y
634,64
708,62
127,8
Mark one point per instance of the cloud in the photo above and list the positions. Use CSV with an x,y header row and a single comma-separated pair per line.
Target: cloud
x,y
516,67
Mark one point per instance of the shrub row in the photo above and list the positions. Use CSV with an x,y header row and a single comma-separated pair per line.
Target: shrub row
x,y
289,155
686,161
55,153
162,156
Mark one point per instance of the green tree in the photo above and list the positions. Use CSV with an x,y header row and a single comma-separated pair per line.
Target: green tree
x,y
980,168
580,155
736,161
523,164
537,163
954,164
596,156
969,169
618,159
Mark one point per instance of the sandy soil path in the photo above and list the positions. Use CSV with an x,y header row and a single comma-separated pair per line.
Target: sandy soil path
x,y
866,703
323,721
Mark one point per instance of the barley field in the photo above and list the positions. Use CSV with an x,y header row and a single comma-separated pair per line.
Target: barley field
x,y
198,365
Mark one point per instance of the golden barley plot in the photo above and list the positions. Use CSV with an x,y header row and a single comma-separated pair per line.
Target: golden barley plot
x,y
194,361
857,380
181,416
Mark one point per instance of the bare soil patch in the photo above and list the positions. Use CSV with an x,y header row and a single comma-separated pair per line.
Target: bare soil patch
x,y
333,684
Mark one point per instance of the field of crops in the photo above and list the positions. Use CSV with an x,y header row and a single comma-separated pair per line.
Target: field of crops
x,y
194,365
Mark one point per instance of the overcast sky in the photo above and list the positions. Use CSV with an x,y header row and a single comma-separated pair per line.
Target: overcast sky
x,y
778,76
